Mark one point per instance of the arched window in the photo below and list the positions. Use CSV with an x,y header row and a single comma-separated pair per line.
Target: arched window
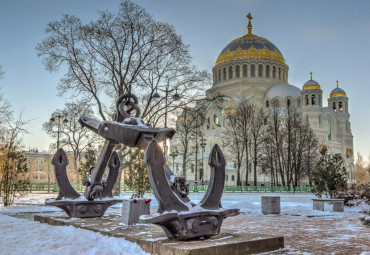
x,y
298,103
260,70
232,178
340,106
283,74
334,106
217,117
328,129
288,102
224,78
245,68
253,70
230,72
226,178
307,101
219,75
320,100
267,71
274,72
267,103
279,73
237,71
313,99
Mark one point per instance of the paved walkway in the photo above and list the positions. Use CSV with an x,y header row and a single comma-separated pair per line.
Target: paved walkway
x,y
337,234
305,231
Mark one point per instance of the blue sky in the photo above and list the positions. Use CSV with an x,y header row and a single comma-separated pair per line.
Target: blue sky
x,y
329,38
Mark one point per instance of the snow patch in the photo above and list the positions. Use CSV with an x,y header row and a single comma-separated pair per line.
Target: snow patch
x,y
21,236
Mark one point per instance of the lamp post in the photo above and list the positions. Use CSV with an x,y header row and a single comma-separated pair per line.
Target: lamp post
x,y
156,96
203,145
173,155
52,120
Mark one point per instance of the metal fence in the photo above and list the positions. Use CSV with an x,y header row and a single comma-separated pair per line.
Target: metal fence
x,y
52,187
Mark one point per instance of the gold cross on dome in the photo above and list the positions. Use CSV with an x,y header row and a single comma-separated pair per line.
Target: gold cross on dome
x,y
337,83
249,16
311,75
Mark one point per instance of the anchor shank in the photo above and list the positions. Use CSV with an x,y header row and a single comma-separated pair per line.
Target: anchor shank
x,y
99,168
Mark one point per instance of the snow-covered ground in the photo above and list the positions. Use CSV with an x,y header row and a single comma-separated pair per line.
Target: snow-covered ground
x,y
19,236
305,230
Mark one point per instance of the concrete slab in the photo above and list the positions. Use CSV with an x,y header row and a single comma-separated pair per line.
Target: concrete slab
x,y
152,238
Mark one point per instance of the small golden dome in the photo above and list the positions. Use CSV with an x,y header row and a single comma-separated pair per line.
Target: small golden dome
x,y
311,84
337,92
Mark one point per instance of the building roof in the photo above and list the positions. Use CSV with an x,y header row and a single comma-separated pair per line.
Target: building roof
x,y
283,91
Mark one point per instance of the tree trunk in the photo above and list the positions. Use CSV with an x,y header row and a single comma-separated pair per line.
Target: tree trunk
x,y
246,167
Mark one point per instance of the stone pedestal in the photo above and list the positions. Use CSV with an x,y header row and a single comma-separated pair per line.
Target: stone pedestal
x,y
270,204
153,240
338,206
132,209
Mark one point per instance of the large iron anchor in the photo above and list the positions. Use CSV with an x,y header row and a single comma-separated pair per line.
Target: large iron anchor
x,y
177,215
124,129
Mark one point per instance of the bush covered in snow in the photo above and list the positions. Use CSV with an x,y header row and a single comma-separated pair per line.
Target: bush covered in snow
x,y
355,194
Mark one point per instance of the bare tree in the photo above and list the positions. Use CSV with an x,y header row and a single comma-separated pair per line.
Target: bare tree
x,y
361,170
72,135
233,142
12,161
187,126
122,52
257,139
243,122
277,137
290,148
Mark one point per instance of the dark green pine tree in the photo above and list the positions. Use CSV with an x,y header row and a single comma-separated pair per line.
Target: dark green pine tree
x,y
90,161
136,174
329,175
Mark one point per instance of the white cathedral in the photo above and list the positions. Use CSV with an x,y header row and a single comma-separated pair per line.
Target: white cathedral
x,y
252,67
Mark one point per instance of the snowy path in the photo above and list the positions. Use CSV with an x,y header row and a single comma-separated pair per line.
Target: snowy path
x,y
19,236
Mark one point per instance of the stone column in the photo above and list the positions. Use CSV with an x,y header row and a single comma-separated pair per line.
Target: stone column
x,y
270,204
132,209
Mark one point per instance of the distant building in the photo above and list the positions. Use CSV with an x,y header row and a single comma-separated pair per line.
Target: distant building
x,y
40,169
252,67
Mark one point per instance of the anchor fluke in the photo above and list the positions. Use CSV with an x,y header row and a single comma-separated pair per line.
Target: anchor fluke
x,y
212,198
60,162
179,219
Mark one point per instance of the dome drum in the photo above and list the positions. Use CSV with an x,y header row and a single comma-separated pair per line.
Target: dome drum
x,y
250,69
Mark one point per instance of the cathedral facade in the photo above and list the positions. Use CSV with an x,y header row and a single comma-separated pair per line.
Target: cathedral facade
x,y
252,67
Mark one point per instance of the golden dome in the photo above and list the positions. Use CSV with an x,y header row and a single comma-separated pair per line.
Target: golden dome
x,y
311,84
337,92
250,46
